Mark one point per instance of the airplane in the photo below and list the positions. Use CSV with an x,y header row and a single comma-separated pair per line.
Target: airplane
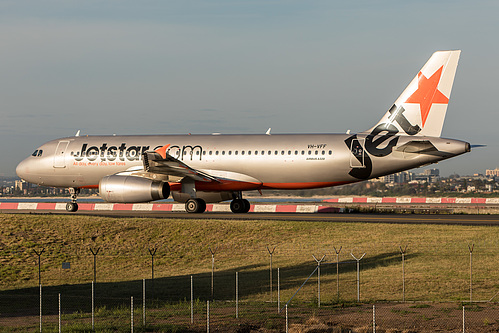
x,y
200,169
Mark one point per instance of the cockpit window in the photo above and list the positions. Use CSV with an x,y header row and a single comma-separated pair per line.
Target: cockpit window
x,y
37,153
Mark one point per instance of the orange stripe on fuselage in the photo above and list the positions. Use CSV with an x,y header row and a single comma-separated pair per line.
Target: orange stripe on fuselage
x,y
230,185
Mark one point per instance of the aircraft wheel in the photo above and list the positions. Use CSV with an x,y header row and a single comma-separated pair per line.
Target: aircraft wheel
x,y
239,206
247,206
195,206
72,207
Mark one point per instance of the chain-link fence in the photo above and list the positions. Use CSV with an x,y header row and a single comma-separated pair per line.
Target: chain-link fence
x,y
330,290
189,307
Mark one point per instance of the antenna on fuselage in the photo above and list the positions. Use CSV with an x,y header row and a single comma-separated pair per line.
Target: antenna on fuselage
x,y
77,133
268,131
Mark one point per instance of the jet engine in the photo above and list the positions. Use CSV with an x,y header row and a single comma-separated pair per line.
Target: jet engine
x,y
132,189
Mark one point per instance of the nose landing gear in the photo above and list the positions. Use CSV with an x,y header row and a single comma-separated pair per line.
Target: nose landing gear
x,y
73,206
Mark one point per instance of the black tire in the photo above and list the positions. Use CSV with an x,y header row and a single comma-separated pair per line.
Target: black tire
x,y
247,206
238,206
72,207
195,206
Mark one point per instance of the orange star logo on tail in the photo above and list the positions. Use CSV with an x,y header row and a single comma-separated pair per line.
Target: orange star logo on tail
x,y
427,93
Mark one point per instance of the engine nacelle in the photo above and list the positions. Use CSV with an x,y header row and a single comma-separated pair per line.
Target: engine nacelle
x,y
130,189
208,197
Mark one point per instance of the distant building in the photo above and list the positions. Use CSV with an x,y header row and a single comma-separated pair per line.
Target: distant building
x,y
492,173
398,178
429,176
432,172
21,185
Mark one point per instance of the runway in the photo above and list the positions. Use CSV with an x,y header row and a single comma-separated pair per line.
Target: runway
x,y
448,219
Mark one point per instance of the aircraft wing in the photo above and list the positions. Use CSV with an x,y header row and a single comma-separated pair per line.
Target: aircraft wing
x,y
163,163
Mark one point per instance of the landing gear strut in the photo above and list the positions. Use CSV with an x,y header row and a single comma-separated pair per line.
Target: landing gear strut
x,y
195,205
73,206
239,205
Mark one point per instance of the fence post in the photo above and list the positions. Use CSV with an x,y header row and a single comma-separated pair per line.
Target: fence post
x,y
59,313
94,253
237,295
192,302
403,270
337,271
93,307
152,252
131,314
278,291
208,316
271,254
287,322
358,274
40,308
212,267
464,330
39,254
319,279
470,248
144,302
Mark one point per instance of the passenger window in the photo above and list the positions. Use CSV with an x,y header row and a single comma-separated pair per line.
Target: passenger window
x,y
236,152
296,152
276,152
230,152
256,152
204,152
323,152
270,153
249,152
216,153
210,152
310,152
330,152
263,152
316,152
223,152
303,152
242,152
289,152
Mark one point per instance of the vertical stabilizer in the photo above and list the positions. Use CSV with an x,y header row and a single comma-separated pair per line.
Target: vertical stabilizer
x,y
421,108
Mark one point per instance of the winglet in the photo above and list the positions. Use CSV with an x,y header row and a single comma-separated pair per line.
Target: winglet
x,y
162,151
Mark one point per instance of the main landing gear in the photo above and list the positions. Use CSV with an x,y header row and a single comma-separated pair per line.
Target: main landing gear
x,y
73,206
195,205
240,206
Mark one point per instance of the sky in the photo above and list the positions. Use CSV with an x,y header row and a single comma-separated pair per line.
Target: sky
x,y
237,66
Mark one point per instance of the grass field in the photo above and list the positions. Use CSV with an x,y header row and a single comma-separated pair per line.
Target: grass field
x,y
437,262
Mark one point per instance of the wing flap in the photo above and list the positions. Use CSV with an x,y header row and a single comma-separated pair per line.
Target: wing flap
x,y
154,162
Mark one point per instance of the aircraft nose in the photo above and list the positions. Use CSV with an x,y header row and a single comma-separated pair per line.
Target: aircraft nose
x,y
22,169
